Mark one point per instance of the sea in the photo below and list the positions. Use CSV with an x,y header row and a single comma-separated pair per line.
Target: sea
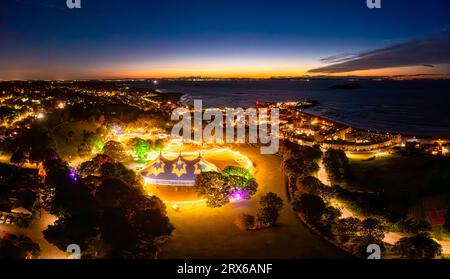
x,y
409,107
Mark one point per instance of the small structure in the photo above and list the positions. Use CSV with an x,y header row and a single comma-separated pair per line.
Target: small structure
x,y
177,172
18,203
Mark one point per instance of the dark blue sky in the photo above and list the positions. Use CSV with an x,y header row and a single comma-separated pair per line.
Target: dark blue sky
x,y
115,38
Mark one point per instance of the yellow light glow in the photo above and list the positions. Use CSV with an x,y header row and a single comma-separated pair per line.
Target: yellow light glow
x,y
61,105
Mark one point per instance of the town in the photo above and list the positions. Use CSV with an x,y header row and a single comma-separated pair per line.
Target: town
x,y
102,153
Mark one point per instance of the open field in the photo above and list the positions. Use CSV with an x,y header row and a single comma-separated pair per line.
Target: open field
x,y
392,173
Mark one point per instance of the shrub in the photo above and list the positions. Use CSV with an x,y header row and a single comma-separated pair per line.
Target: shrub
x,y
245,221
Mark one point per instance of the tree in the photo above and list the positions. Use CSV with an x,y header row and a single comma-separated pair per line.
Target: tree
x,y
309,184
270,205
268,216
447,222
120,216
69,196
151,223
331,215
337,165
420,246
72,229
251,187
241,180
411,225
115,192
241,186
119,171
114,150
117,231
312,185
271,200
299,161
141,150
90,141
133,224
245,221
373,229
87,168
214,187
348,226
293,167
93,166
237,171
310,206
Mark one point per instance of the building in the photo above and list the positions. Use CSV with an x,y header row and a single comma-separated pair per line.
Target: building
x,y
18,204
177,172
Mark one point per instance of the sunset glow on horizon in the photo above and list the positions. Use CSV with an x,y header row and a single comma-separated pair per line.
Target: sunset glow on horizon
x,y
255,39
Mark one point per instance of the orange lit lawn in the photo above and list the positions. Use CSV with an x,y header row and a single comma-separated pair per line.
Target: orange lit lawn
x,y
203,232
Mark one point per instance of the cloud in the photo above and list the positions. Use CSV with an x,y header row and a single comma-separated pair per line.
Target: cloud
x,y
421,52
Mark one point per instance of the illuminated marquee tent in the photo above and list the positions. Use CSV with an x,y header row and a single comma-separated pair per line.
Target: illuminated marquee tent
x,y
177,172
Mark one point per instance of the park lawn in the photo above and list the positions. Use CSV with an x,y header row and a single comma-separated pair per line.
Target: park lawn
x,y
426,176
407,185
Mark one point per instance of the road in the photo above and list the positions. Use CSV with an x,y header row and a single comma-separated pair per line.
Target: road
x,y
34,231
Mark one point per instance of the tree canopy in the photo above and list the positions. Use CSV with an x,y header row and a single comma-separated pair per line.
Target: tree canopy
x,y
420,246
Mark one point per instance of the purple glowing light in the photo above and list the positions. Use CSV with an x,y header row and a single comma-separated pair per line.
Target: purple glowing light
x,y
238,195
73,175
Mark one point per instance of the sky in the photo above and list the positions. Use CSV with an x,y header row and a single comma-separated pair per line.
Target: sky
x,y
43,39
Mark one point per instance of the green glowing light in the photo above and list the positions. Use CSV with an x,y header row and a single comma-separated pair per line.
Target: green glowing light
x,y
141,150
237,171
99,144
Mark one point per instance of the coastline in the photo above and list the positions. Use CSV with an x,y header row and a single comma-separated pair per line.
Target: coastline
x,y
417,136
179,98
